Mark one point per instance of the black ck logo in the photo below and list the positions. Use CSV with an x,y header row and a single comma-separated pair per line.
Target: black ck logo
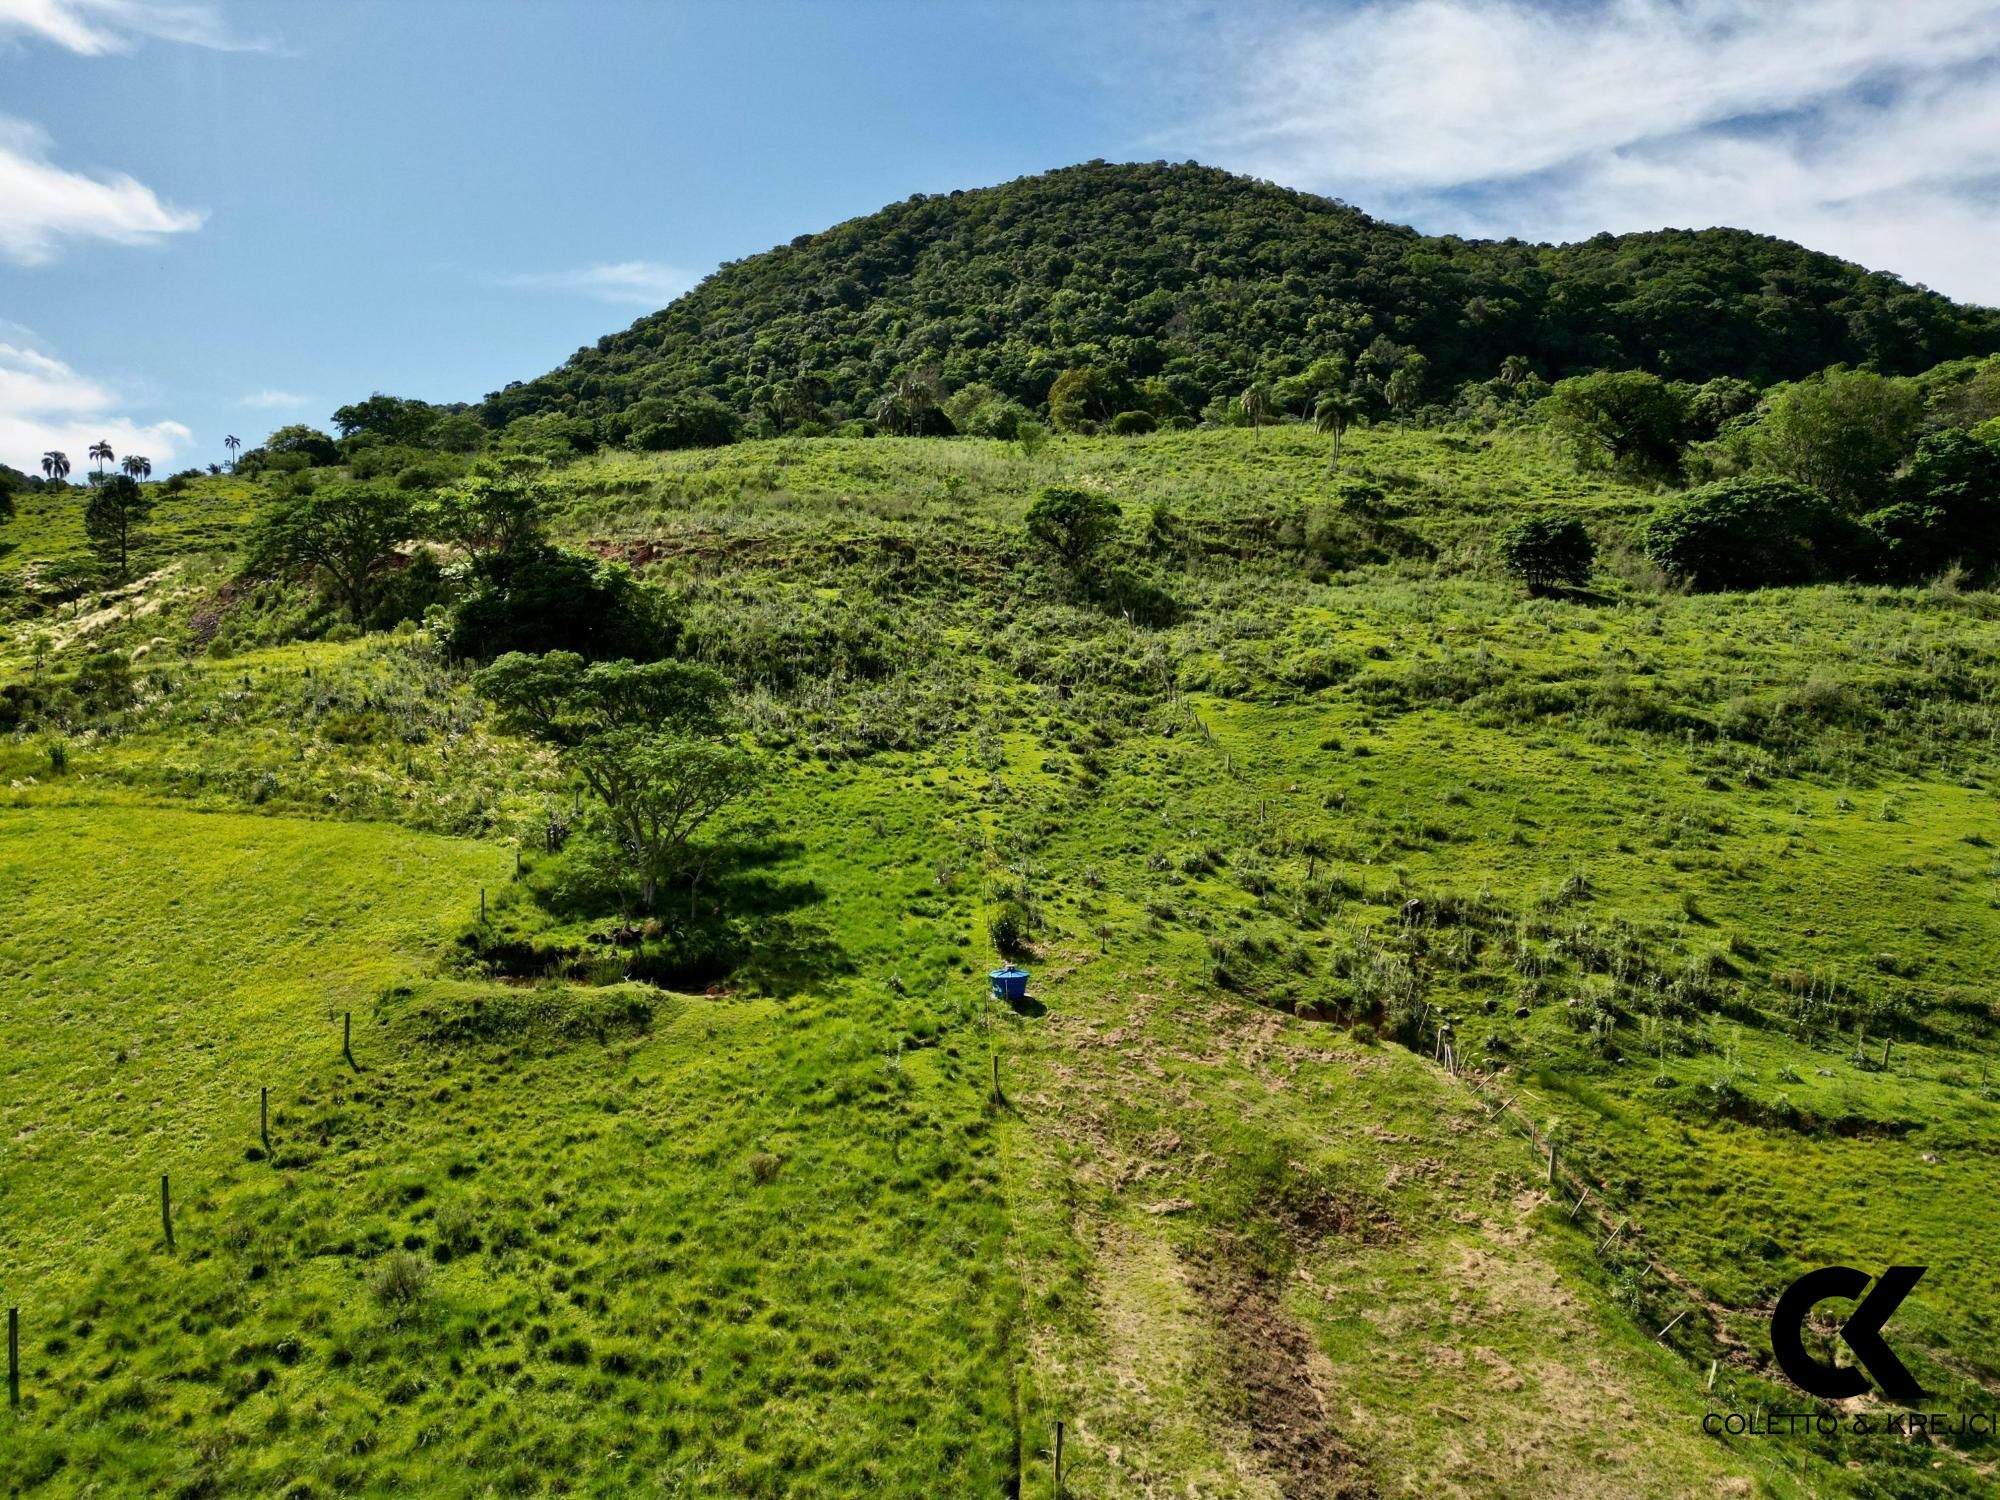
x,y
1862,1332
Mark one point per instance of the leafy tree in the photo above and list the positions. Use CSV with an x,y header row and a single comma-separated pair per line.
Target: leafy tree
x,y
537,598
1333,416
1621,419
646,739
9,482
1083,398
1073,525
1947,508
392,419
320,451
692,421
1750,533
457,432
341,531
1717,402
498,507
1324,376
1546,550
117,508
1841,432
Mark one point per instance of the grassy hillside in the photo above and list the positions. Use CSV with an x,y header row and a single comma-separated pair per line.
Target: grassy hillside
x,y
728,1204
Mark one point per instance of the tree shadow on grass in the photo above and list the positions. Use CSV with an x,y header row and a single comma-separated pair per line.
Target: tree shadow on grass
x,y
731,920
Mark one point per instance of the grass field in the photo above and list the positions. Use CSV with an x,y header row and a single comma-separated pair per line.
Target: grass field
x,y
1675,868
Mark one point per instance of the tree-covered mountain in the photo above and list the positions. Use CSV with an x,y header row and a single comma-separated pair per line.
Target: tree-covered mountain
x,y
1202,282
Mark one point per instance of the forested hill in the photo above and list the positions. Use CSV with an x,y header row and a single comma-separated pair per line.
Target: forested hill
x,y
1207,281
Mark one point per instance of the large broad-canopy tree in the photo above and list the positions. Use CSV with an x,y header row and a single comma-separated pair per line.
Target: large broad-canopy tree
x,y
296,437
1621,419
342,531
1841,432
648,739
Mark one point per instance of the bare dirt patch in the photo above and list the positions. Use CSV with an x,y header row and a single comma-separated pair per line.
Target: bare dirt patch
x,y
1280,1377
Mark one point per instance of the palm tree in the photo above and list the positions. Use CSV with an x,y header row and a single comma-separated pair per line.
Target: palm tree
x,y
1256,404
903,410
1401,389
55,464
232,443
1514,369
101,451
137,466
1333,416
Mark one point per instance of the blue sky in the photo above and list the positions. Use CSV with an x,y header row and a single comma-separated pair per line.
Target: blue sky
x,y
218,217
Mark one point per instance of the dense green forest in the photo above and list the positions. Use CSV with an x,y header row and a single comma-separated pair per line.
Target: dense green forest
x,y
1206,283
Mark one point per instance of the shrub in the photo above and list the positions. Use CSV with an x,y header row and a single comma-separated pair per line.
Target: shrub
x,y
1546,550
1750,533
401,1280
1009,929
1132,423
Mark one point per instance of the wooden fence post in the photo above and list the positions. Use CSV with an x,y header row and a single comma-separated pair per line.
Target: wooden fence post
x,y
264,1117
347,1039
167,1211
1059,1445
13,1356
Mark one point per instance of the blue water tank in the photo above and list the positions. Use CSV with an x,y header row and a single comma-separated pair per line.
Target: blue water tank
x,y
1009,984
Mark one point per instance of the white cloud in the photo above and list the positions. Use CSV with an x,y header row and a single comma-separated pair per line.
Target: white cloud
x,y
96,27
1868,128
269,400
44,404
42,205
644,282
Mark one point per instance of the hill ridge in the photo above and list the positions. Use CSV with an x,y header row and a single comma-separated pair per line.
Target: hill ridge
x,y
1203,281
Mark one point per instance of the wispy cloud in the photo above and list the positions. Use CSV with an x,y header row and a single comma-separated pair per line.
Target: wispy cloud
x,y
42,205
45,404
1865,128
97,27
646,283
269,400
